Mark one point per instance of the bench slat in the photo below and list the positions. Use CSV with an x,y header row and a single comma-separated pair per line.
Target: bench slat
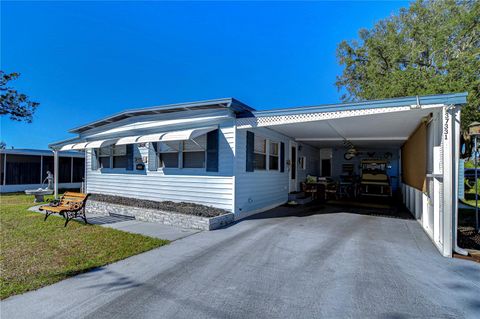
x,y
71,205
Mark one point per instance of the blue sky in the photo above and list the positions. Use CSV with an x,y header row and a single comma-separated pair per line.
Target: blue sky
x,y
86,60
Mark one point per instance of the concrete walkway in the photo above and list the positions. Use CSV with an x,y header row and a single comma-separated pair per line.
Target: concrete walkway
x,y
153,229
130,225
288,263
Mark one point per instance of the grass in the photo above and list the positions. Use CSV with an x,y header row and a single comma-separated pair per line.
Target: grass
x,y
34,253
470,193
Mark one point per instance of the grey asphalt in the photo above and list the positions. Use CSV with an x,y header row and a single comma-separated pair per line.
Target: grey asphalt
x,y
296,265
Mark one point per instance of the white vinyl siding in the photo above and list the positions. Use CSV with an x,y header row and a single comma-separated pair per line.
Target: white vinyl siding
x,y
263,189
310,162
194,185
259,189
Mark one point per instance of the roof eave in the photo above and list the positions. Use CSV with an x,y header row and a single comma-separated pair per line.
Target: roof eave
x,y
58,144
445,99
232,103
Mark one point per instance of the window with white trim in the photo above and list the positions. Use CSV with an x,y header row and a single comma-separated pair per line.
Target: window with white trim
x,y
168,154
302,162
104,155
114,156
194,152
260,153
273,156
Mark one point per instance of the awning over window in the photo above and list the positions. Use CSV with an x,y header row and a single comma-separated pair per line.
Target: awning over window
x,y
150,138
128,140
181,135
101,143
67,147
80,146
84,145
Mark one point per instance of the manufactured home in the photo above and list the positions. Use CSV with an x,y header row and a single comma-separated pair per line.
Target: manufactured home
x,y
225,154
22,169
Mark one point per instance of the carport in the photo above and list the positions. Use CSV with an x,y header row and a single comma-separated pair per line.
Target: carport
x,y
417,136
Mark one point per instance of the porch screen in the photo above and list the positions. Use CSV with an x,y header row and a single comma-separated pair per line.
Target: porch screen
x,y
22,169
414,159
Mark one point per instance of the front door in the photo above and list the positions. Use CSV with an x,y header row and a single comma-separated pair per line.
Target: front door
x,y
293,167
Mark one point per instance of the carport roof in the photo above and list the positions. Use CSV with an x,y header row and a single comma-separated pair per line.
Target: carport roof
x,y
445,99
368,124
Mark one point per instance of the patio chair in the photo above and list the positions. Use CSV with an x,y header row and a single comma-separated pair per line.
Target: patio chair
x,y
310,189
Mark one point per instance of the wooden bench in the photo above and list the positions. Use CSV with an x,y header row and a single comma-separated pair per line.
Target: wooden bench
x,y
71,205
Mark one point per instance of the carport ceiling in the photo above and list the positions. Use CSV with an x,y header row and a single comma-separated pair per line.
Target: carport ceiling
x,y
373,131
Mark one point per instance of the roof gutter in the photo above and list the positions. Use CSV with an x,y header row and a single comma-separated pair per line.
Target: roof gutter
x,y
412,101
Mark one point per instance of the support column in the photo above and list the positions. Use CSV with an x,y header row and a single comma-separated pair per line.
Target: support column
x,y
448,162
5,170
455,166
55,173
451,152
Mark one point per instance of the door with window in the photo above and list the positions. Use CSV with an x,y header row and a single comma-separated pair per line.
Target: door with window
x,y
293,167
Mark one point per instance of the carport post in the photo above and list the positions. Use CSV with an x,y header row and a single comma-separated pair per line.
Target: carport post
x,y
476,182
451,155
55,173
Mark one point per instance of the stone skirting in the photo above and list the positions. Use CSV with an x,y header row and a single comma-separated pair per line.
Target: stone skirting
x,y
159,216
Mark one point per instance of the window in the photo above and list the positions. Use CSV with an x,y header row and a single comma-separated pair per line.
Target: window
x,y
119,154
183,154
260,153
113,156
302,162
273,156
168,154
194,152
104,157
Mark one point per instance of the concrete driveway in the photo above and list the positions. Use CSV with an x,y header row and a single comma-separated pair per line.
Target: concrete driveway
x,y
296,265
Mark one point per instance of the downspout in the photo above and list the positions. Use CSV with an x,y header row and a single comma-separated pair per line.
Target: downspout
x,y
455,157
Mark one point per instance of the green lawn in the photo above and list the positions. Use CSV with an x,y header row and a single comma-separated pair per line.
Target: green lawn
x,y
470,194
34,253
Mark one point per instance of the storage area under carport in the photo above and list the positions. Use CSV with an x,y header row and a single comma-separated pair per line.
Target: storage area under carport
x,y
405,150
